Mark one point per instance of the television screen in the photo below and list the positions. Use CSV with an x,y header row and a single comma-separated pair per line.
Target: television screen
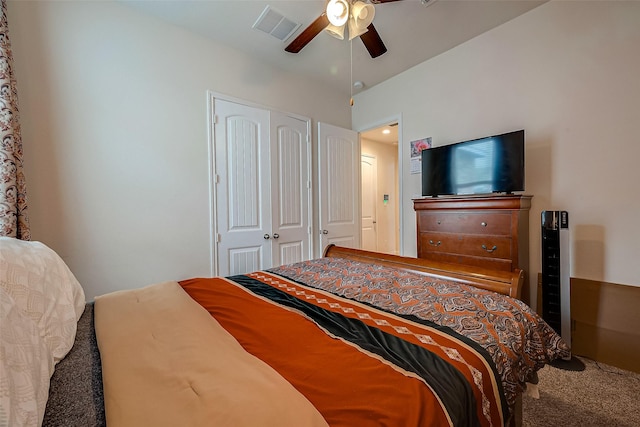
x,y
494,164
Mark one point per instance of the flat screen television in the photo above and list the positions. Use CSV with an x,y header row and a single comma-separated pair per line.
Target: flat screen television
x,y
494,164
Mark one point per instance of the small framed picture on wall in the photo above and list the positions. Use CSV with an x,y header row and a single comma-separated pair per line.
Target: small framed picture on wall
x,y
416,153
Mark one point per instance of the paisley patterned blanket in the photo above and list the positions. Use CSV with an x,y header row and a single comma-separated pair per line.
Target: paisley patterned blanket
x,y
517,340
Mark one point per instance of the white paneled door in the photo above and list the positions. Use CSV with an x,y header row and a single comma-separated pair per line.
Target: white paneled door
x,y
261,188
339,179
290,189
369,186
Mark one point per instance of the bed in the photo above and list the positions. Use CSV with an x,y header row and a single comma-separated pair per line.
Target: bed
x,y
352,338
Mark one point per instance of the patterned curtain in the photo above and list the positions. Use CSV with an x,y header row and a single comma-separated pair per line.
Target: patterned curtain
x,y
13,193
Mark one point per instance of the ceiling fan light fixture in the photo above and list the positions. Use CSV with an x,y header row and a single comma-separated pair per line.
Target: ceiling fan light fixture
x,y
362,14
354,31
359,16
337,32
338,12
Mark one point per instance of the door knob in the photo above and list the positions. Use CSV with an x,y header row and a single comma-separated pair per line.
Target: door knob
x,y
276,235
266,237
325,232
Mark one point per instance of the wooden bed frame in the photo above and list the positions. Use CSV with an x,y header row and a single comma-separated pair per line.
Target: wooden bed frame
x,y
504,282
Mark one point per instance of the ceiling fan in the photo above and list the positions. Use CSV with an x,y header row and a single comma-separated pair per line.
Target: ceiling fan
x,y
357,15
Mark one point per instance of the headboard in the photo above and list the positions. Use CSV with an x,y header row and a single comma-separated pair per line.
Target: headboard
x,y
504,282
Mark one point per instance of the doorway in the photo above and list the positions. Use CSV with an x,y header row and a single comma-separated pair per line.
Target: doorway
x,y
380,189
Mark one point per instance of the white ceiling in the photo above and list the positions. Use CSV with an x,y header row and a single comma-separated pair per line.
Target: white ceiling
x,y
413,32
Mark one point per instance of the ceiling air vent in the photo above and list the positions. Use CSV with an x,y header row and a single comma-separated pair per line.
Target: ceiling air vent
x,y
275,24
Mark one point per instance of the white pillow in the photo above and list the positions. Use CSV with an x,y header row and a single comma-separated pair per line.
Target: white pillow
x,y
25,367
40,304
44,289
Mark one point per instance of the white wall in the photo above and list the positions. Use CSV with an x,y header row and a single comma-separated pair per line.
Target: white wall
x,y
567,73
114,124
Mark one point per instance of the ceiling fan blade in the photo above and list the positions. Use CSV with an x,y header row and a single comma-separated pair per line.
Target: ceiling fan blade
x,y
373,42
308,34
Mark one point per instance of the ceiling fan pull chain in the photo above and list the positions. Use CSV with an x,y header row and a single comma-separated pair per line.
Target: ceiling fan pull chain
x,y
351,73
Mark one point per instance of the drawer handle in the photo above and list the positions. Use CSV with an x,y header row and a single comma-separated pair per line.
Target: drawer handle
x,y
489,250
484,224
432,243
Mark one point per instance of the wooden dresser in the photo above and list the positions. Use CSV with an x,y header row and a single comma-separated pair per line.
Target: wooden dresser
x,y
489,231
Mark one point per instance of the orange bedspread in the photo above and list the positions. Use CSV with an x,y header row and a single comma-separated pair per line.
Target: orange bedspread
x,y
344,369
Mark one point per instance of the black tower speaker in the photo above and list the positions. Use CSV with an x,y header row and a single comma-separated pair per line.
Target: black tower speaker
x,y
556,286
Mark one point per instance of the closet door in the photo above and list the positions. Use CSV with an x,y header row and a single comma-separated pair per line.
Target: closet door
x,y
290,189
261,188
242,202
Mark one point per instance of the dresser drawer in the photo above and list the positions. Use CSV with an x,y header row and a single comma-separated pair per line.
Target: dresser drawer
x,y
492,263
480,222
465,244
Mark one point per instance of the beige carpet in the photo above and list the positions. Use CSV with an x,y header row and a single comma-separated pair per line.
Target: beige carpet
x,y
601,395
